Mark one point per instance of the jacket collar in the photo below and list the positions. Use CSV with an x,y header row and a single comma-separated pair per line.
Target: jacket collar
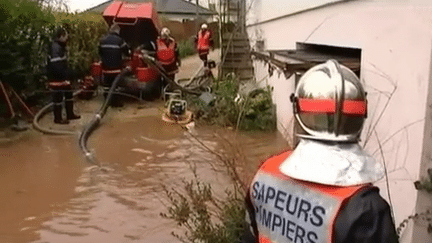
x,y
338,164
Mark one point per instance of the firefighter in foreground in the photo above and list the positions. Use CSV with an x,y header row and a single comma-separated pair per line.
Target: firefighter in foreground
x,y
59,76
112,50
203,42
322,191
167,54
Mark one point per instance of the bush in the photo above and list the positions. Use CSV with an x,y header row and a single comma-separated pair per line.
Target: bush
x,y
205,217
25,29
85,31
186,48
254,111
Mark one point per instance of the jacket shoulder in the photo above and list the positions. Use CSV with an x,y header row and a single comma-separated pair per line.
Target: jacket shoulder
x,y
111,38
366,217
276,158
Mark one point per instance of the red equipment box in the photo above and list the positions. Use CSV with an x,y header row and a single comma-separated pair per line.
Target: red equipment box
x,y
139,22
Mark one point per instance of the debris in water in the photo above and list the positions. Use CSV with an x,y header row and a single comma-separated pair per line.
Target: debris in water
x,y
142,151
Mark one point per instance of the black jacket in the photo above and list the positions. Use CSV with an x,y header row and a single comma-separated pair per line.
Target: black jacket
x,y
57,67
111,50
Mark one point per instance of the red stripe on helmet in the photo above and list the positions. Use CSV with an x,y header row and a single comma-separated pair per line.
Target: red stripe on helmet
x,y
317,105
354,107
349,107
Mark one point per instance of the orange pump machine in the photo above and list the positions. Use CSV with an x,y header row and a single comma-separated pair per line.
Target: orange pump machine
x,y
139,27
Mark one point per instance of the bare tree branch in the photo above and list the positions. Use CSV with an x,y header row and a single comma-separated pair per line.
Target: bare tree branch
x,y
386,175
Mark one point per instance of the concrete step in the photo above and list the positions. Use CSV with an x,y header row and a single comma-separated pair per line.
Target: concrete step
x,y
229,60
239,73
238,66
234,38
245,50
242,70
235,44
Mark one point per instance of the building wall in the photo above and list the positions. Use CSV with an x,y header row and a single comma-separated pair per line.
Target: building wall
x,y
395,38
185,17
265,10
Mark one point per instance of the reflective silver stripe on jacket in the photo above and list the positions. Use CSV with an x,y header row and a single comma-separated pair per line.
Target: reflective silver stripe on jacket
x,y
58,59
112,71
111,46
285,211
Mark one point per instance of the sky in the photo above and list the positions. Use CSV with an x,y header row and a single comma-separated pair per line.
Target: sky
x,y
81,5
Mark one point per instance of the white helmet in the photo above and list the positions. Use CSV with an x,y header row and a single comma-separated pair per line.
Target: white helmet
x,y
204,26
165,32
330,103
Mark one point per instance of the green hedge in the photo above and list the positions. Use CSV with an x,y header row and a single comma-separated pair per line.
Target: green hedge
x,y
26,31
186,48
85,31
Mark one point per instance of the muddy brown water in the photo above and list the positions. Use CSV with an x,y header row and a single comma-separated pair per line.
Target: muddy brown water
x,y
50,193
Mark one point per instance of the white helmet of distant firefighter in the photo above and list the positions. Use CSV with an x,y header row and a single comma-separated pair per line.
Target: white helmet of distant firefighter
x,y
165,32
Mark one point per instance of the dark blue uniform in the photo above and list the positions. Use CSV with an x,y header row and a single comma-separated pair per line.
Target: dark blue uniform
x,y
112,48
59,76
57,62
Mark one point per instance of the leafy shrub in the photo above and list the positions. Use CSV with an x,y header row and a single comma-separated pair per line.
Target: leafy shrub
x,y
186,48
204,216
85,31
25,29
254,111
259,112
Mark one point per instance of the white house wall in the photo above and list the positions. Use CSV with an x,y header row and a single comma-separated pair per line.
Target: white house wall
x,y
264,10
395,39
182,17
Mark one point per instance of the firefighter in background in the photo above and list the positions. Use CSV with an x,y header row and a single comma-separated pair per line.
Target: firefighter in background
x,y
203,42
322,191
167,54
59,76
112,50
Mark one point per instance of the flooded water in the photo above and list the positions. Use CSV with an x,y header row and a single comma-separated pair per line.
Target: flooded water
x,y
49,193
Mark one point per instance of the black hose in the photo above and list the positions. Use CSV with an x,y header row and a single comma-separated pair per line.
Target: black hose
x,y
152,61
85,134
45,110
